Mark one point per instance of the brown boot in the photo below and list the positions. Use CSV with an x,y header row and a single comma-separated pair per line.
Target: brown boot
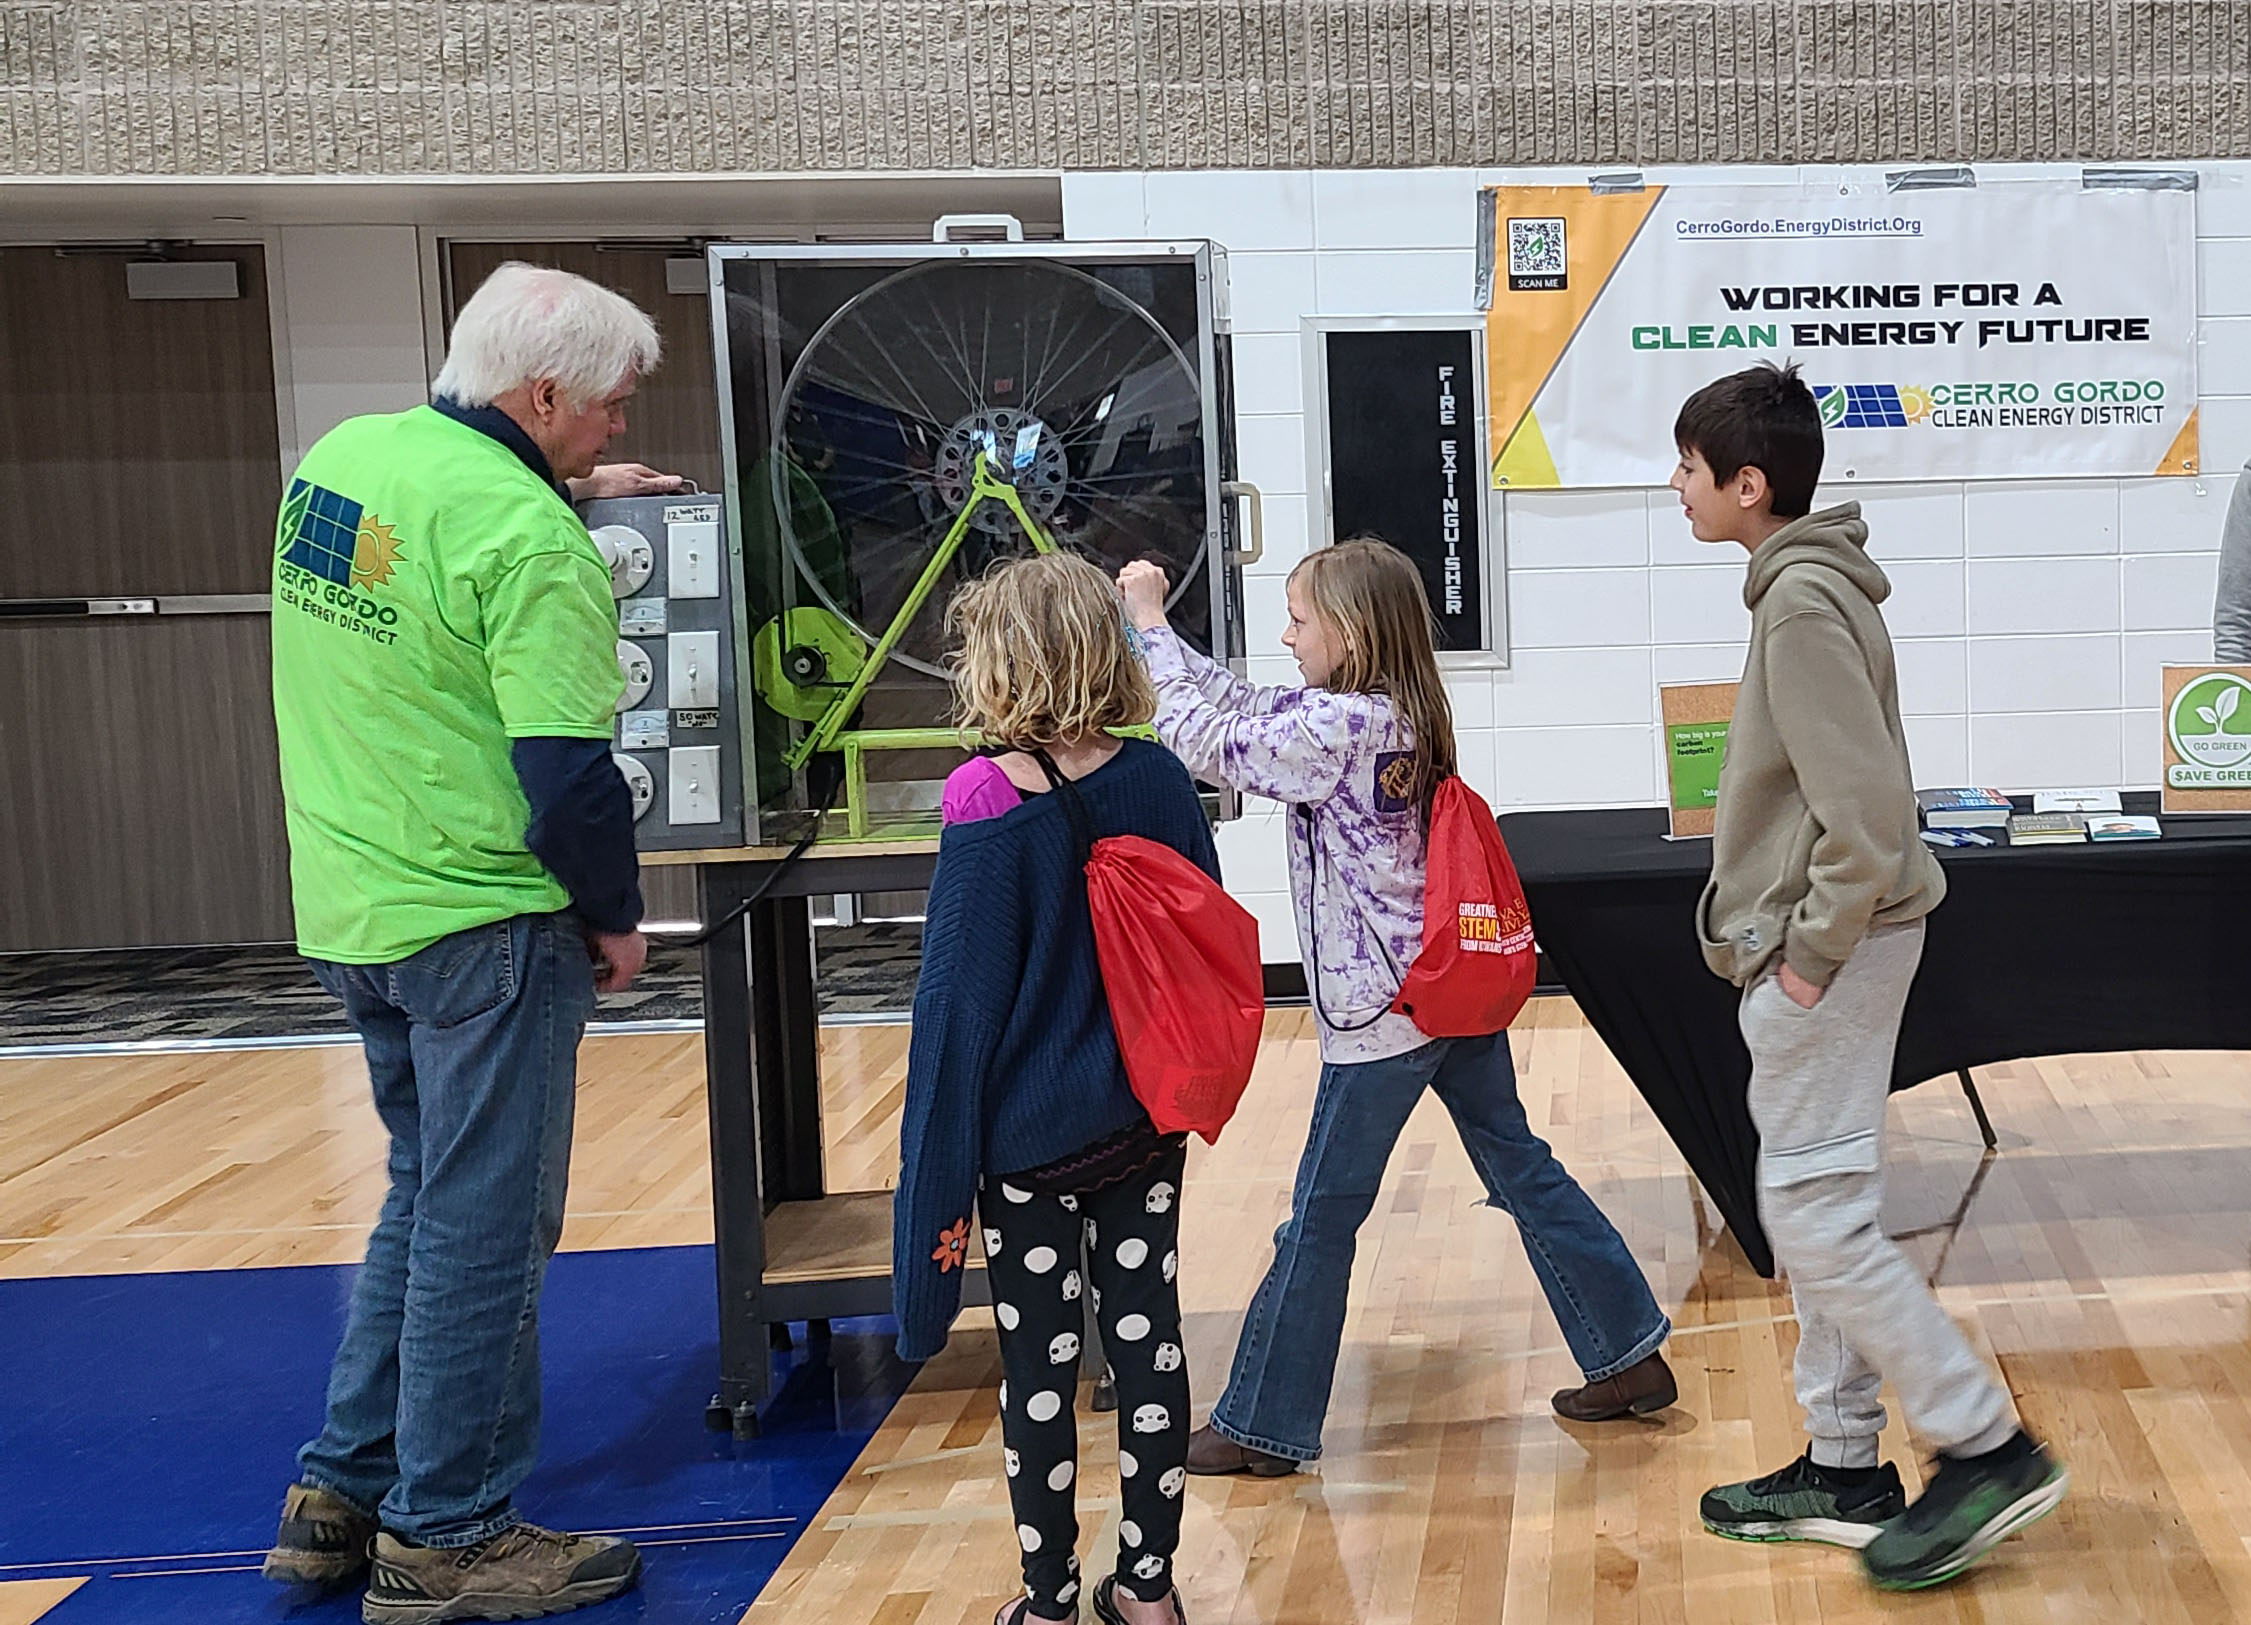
x,y
1645,1386
1211,1456
520,1573
323,1542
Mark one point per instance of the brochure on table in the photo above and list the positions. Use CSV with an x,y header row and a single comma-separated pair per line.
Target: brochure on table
x,y
1696,716
2206,719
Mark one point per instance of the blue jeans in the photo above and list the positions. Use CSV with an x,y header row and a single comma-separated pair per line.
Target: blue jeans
x,y
433,1403
1278,1396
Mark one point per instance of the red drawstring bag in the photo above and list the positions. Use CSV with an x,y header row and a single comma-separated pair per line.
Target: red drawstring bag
x,y
1477,963
1180,966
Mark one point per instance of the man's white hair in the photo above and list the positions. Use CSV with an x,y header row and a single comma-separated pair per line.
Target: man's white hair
x,y
529,322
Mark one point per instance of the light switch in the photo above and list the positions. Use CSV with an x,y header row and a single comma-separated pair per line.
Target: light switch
x,y
640,784
639,672
695,785
692,671
692,560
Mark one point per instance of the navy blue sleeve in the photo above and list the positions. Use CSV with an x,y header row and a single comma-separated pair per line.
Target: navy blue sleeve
x,y
582,826
971,960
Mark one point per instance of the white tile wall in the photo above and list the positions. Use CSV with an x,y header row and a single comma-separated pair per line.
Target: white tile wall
x,y
1576,609
1927,598
1267,293
2042,518
2042,595
1269,373
1703,604
1561,530
2044,674
1938,749
1392,209
1262,211
2142,654
2046,751
1933,676
1419,282
1271,452
1287,537
2173,516
2170,592
1907,521
2030,615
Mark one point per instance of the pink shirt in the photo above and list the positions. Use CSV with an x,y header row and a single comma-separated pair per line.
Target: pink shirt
x,y
978,789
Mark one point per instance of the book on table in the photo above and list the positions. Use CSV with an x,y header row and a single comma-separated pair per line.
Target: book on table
x,y
2075,801
2123,827
2046,829
1963,809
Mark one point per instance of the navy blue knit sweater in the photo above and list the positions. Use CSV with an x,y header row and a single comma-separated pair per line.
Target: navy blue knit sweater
x,y
1013,1063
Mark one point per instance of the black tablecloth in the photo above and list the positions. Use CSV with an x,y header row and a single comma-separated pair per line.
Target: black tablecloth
x,y
2042,950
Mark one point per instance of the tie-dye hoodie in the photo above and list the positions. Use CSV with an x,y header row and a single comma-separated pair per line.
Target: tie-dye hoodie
x,y
1356,866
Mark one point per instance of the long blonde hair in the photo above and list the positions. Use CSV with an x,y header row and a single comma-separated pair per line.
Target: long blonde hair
x,y
1044,655
1371,596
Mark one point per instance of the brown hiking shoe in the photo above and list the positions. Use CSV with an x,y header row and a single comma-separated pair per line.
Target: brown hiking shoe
x,y
1211,1455
324,1540
1645,1386
521,1573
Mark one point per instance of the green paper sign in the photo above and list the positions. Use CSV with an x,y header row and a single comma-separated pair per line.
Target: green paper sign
x,y
1694,753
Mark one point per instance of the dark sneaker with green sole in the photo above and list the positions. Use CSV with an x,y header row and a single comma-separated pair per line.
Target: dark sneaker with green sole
x,y
323,1542
1802,1502
521,1573
1968,1508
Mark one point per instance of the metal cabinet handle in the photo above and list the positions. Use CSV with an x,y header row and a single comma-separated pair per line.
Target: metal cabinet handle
x,y
943,231
1257,503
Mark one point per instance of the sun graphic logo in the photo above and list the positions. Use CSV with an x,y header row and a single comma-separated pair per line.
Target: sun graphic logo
x,y
1915,403
375,553
336,539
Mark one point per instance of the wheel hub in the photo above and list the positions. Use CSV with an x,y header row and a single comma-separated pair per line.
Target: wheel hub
x,y
1022,452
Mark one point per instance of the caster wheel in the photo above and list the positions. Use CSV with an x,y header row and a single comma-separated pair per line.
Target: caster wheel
x,y
718,1416
746,1421
1106,1392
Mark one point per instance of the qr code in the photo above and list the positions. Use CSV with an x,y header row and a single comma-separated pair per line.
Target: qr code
x,y
1536,251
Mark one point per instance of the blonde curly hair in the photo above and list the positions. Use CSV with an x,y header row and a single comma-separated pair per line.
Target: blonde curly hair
x,y
1044,654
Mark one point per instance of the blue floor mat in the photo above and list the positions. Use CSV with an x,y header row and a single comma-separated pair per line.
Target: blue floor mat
x,y
150,1424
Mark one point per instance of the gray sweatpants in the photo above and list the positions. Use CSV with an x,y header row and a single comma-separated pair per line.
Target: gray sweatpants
x,y
1819,1080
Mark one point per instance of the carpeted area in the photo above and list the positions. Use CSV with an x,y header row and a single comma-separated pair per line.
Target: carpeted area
x,y
246,993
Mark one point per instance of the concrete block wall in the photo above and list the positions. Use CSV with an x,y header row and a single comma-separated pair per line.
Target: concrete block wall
x,y
2030,616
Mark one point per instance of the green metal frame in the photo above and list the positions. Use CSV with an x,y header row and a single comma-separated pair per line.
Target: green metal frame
x,y
829,733
984,487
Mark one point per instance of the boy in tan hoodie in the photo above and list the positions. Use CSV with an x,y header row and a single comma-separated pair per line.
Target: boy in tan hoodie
x,y
1820,884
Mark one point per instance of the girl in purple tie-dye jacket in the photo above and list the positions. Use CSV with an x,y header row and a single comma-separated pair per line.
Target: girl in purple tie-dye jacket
x,y
1356,755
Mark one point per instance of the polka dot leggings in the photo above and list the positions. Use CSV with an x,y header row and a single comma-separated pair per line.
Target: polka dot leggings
x,y
1131,1232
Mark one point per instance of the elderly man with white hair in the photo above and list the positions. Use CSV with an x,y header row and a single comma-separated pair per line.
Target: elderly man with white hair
x,y
461,856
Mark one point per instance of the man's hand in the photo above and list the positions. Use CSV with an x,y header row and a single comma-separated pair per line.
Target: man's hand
x,y
618,958
1802,993
624,480
1145,589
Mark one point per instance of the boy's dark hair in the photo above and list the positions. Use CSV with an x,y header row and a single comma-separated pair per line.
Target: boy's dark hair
x,y
1763,418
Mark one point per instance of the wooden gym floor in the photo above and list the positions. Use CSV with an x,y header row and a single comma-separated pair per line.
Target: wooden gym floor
x,y
2102,1260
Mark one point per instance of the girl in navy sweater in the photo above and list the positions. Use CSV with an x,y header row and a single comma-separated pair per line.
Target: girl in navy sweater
x,y
1017,1100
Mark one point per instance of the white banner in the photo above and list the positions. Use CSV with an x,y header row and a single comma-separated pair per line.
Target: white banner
x,y
2008,330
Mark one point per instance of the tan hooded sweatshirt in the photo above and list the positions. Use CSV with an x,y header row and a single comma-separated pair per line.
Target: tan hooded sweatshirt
x,y
1816,843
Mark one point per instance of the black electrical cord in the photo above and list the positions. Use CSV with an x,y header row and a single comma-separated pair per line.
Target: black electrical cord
x,y
773,875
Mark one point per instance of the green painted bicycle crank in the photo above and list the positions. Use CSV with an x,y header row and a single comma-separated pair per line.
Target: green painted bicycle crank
x,y
985,486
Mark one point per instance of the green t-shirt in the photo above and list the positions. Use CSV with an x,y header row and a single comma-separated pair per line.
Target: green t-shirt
x,y
433,600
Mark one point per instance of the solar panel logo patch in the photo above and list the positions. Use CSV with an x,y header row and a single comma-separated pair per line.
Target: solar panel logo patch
x,y
1861,406
334,538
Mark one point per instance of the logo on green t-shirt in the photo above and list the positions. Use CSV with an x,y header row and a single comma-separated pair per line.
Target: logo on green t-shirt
x,y
339,547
